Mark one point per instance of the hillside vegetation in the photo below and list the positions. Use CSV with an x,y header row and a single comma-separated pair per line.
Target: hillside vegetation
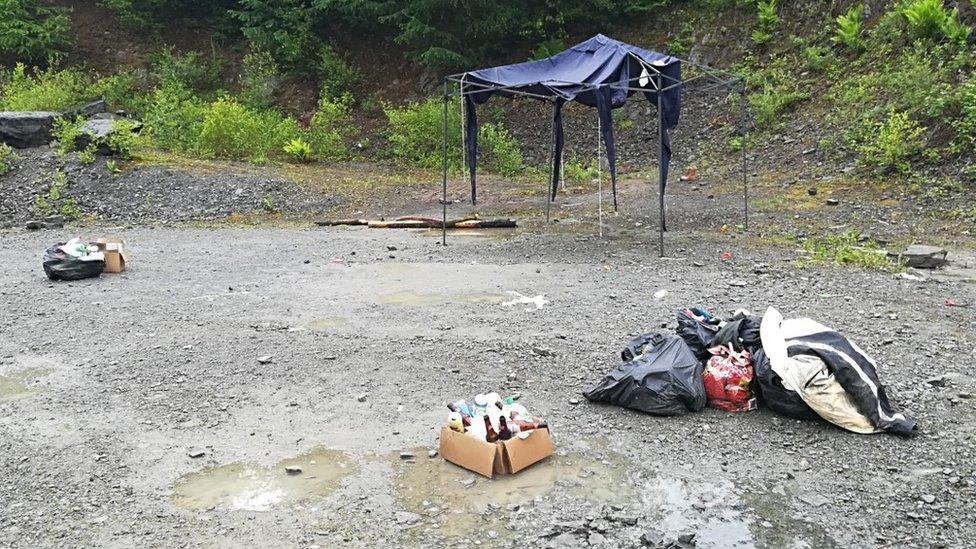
x,y
890,83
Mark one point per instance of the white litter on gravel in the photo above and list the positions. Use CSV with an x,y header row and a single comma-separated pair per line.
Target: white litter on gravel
x,y
539,301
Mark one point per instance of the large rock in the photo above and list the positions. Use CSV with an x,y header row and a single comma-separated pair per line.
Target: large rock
x,y
924,257
97,131
26,129
86,110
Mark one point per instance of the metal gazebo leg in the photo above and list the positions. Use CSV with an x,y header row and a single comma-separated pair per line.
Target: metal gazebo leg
x,y
660,173
444,174
745,176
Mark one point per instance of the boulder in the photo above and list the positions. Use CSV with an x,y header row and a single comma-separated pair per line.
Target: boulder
x,y
26,129
97,131
86,110
924,257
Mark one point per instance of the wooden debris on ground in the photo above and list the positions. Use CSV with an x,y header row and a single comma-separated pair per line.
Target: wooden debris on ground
x,y
417,222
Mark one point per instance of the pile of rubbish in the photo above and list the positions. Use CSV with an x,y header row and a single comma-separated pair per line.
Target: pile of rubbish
x,y
494,436
491,418
795,367
73,260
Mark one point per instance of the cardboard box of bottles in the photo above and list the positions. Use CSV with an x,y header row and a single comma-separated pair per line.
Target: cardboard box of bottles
x,y
116,254
504,457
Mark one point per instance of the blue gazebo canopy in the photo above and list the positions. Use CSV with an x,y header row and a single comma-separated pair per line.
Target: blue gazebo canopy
x,y
601,73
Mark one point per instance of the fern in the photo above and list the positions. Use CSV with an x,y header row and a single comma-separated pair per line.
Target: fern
x,y
849,28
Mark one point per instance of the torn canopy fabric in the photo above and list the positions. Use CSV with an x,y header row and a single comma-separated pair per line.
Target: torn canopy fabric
x,y
601,73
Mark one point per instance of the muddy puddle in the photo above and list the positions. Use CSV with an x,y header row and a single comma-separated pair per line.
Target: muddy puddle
x,y
409,298
251,487
21,380
326,324
454,503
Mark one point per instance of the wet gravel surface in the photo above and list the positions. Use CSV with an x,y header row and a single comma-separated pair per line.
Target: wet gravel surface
x,y
109,385
149,193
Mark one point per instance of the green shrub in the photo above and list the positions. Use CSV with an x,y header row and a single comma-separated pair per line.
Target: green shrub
x,y
86,156
329,127
931,20
773,91
849,29
548,48
173,117
32,32
119,92
298,149
123,138
768,20
191,69
895,141
577,172
7,157
336,77
44,90
964,123
415,133
67,132
56,201
232,130
815,58
260,80
680,44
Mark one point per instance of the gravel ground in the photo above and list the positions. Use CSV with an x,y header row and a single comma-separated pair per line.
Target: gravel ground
x,y
110,385
150,193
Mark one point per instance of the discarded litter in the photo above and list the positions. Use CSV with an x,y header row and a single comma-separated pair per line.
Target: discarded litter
x,y
538,301
798,368
659,375
494,436
73,260
660,294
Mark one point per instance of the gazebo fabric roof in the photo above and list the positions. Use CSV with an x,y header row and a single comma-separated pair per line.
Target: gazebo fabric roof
x,y
600,72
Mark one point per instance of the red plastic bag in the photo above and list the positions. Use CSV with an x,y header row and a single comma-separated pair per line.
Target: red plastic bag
x,y
728,379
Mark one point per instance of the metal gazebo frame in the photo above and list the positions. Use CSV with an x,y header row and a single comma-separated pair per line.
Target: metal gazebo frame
x,y
713,78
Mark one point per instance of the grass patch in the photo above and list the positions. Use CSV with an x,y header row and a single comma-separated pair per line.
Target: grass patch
x,y
847,249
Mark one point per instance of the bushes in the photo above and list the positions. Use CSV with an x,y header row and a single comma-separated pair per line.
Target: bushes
x,y
336,77
773,92
30,32
7,157
930,20
891,144
45,90
232,130
416,136
849,29
173,117
260,80
964,124
191,69
768,20
329,127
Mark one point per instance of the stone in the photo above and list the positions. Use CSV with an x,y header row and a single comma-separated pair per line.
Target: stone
x,y
539,351
832,202
361,397
652,538
265,359
407,455
97,131
95,109
34,225
574,401
391,248
928,498
812,191
431,454
924,257
814,500
406,517
596,538
23,130
196,453
293,469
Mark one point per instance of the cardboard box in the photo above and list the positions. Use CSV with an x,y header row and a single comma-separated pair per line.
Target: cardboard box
x,y
500,458
115,252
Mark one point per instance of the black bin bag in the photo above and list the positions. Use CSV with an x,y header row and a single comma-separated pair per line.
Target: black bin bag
x,y
661,377
769,388
59,265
